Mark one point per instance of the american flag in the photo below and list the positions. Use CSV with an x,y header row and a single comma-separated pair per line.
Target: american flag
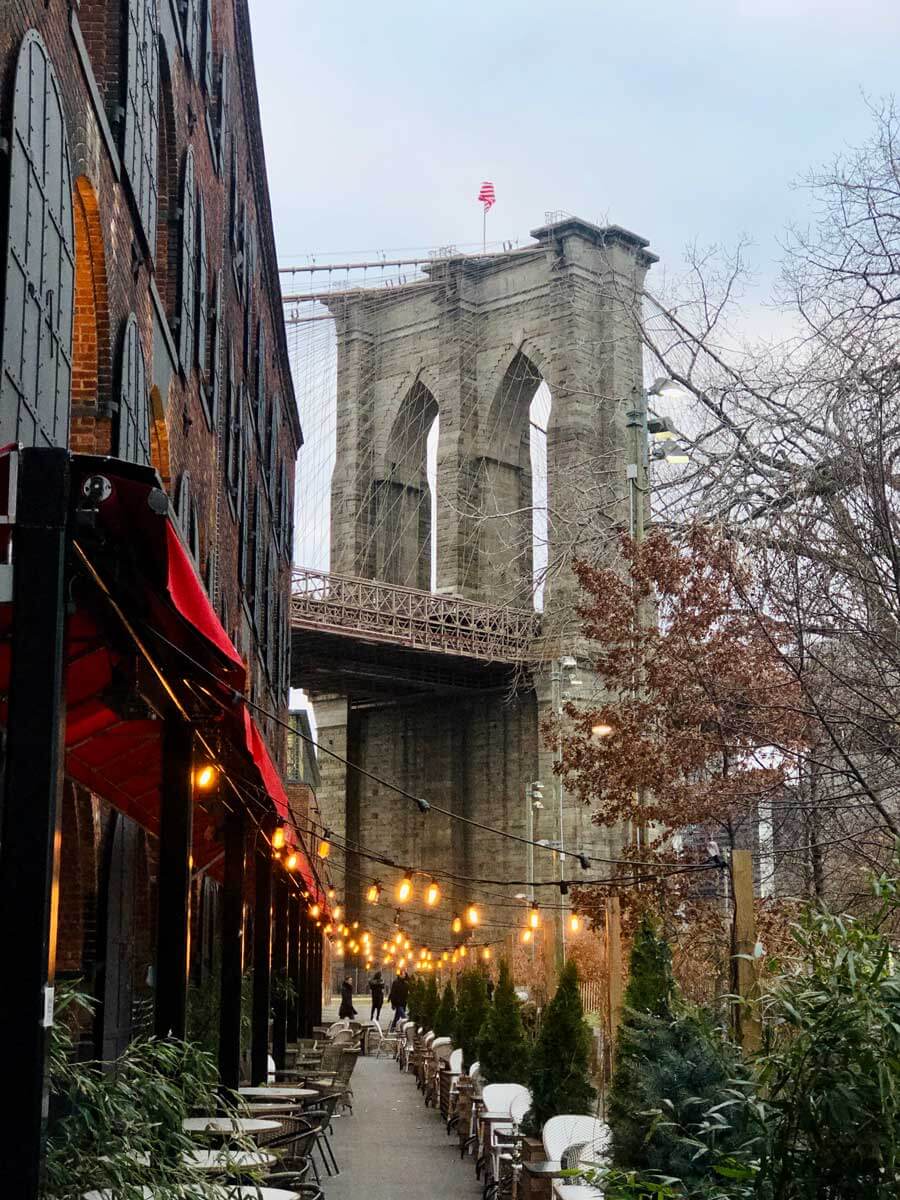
x,y
486,195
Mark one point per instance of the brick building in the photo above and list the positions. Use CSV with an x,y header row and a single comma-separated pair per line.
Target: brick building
x,y
142,321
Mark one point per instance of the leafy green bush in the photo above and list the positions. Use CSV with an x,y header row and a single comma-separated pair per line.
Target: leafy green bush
x,y
503,1047
445,1018
558,1075
414,1000
119,1126
471,1011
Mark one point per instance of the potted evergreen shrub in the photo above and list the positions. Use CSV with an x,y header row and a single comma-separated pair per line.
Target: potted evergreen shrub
x,y
503,1047
559,1072
471,1011
445,1018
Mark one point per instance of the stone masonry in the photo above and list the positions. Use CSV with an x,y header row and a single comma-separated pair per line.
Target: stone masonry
x,y
471,345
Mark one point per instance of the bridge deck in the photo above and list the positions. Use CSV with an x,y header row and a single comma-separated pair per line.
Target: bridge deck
x,y
368,610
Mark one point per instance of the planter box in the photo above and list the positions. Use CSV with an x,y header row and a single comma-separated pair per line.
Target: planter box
x,y
534,1187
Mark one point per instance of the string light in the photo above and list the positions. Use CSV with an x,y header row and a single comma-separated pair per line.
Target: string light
x,y
205,777
526,935
534,917
314,911
338,912
325,845
473,916
433,894
278,836
574,922
486,953
404,888
292,861
463,952
373,895
456,924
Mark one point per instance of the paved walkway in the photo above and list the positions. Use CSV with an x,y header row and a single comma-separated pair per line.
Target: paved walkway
x,y
393,1147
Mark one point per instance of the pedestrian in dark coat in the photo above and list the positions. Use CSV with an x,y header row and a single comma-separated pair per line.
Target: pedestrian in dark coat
x,y
376,987
347,1009
398,996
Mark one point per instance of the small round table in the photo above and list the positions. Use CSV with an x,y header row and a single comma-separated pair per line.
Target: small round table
x,y
277,1093
227,1162
227,1125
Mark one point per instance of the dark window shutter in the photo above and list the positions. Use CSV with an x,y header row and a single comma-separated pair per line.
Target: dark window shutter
x,y
262,417
233,222
207,47
232,425
202,282
36,379
141,126
188,265
133,443
215,349
190,12
272,440
222,132
243,504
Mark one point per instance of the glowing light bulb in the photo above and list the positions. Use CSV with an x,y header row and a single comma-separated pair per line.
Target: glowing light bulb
x,y
433,894
404,889
338,911
574,922
314,911
456,924
373,894
324,847
534,917
473,916
205,777
398,939
292,861
486,953
278,837
463,952
526,935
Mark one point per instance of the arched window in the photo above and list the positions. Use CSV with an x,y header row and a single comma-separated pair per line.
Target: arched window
x,y
262,416
168,239
187,266
222,130
141,129
39,284
134,401
272,445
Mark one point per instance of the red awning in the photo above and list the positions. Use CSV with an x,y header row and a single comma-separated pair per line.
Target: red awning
x,y
140,585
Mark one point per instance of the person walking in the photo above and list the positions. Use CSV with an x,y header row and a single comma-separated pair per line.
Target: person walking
x,y
376,987
347,1009
397,997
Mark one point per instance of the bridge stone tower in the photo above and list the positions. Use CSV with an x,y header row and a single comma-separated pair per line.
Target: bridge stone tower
x,y
469,345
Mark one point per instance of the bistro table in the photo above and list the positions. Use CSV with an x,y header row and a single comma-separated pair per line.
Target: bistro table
x,y
109,1194
277,1093
227,1162
249,1192
227,1125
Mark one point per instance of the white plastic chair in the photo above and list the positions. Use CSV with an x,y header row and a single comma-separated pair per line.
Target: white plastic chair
x,y
570,1129
596,1152
501,1151
270,1069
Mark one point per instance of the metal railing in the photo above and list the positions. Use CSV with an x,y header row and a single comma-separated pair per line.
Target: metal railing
x,y
406,616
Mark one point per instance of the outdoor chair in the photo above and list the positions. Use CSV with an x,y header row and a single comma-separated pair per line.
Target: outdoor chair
x,y
497,1098
294,1147
454,1068
504,1141
372,1037
584,1154
321,1116
570,1129
441,1049
472,1136
421,1056
339,1078
337,1027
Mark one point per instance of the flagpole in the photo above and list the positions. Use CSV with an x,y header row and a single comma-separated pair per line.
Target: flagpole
x,y
484,230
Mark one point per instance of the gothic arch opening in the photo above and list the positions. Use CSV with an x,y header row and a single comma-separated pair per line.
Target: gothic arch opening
x,y
402,532
159,437
508,503
91,359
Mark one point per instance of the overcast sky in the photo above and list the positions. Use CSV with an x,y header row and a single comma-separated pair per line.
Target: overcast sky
x,y
682,121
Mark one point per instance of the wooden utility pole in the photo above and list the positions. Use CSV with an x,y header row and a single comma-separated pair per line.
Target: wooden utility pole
x,y
614,965
747,1022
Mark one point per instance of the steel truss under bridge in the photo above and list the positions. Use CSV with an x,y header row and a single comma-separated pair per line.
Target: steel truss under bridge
x,y
407,617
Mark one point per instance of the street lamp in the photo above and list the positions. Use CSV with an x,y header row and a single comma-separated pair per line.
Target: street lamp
x,y
642,425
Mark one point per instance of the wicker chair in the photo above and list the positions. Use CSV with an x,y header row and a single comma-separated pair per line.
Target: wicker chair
x,y
294,1144
321,1116
441,1049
